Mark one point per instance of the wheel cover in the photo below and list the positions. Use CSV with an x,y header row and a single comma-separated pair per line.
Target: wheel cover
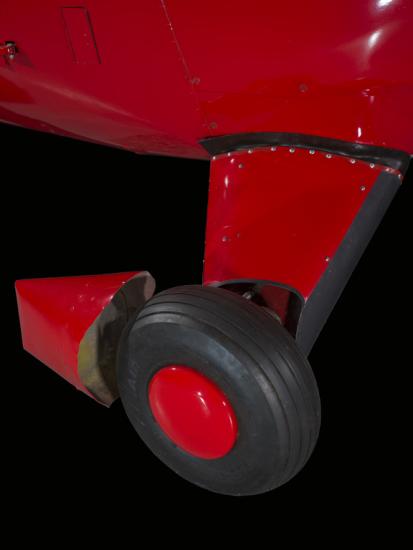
x,y
193,412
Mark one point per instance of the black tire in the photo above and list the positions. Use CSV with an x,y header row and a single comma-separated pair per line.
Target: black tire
x,y
252,359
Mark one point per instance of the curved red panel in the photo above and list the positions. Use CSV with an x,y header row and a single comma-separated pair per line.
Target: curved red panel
x,y
280,214
335,69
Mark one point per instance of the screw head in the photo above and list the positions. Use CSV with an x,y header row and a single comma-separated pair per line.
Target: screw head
x,y
240,165
363,188
328,156
292,150
312,152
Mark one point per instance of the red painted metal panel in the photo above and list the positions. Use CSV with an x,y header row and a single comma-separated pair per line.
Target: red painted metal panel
x,y
139,97
280,214
335,69
55,314
80,35
175,71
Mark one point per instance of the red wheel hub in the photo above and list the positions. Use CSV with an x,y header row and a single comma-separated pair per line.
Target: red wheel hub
x,y
193,412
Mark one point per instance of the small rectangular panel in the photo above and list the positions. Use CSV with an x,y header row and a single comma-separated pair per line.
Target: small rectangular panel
x,y
80,34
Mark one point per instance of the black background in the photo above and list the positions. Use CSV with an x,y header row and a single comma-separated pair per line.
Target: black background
x,y
76,208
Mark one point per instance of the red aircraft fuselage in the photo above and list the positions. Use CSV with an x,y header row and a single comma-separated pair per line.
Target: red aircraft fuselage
x,y
158,76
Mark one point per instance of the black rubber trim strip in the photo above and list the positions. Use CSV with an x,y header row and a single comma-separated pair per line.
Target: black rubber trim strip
x,y
328,290
399,160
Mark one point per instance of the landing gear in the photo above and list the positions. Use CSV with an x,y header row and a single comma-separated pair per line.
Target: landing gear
x,y
218,390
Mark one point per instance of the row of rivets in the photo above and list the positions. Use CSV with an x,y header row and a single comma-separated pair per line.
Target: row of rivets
x,y
292,150
311,152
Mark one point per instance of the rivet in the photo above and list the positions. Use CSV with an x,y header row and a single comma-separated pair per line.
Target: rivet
x,y
387,169
250,151
214,158
372,165
363,188
328,156
292,150
273,148
327,259
240,166
225,239
232,161
213,125
311,151
352,161
228,154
